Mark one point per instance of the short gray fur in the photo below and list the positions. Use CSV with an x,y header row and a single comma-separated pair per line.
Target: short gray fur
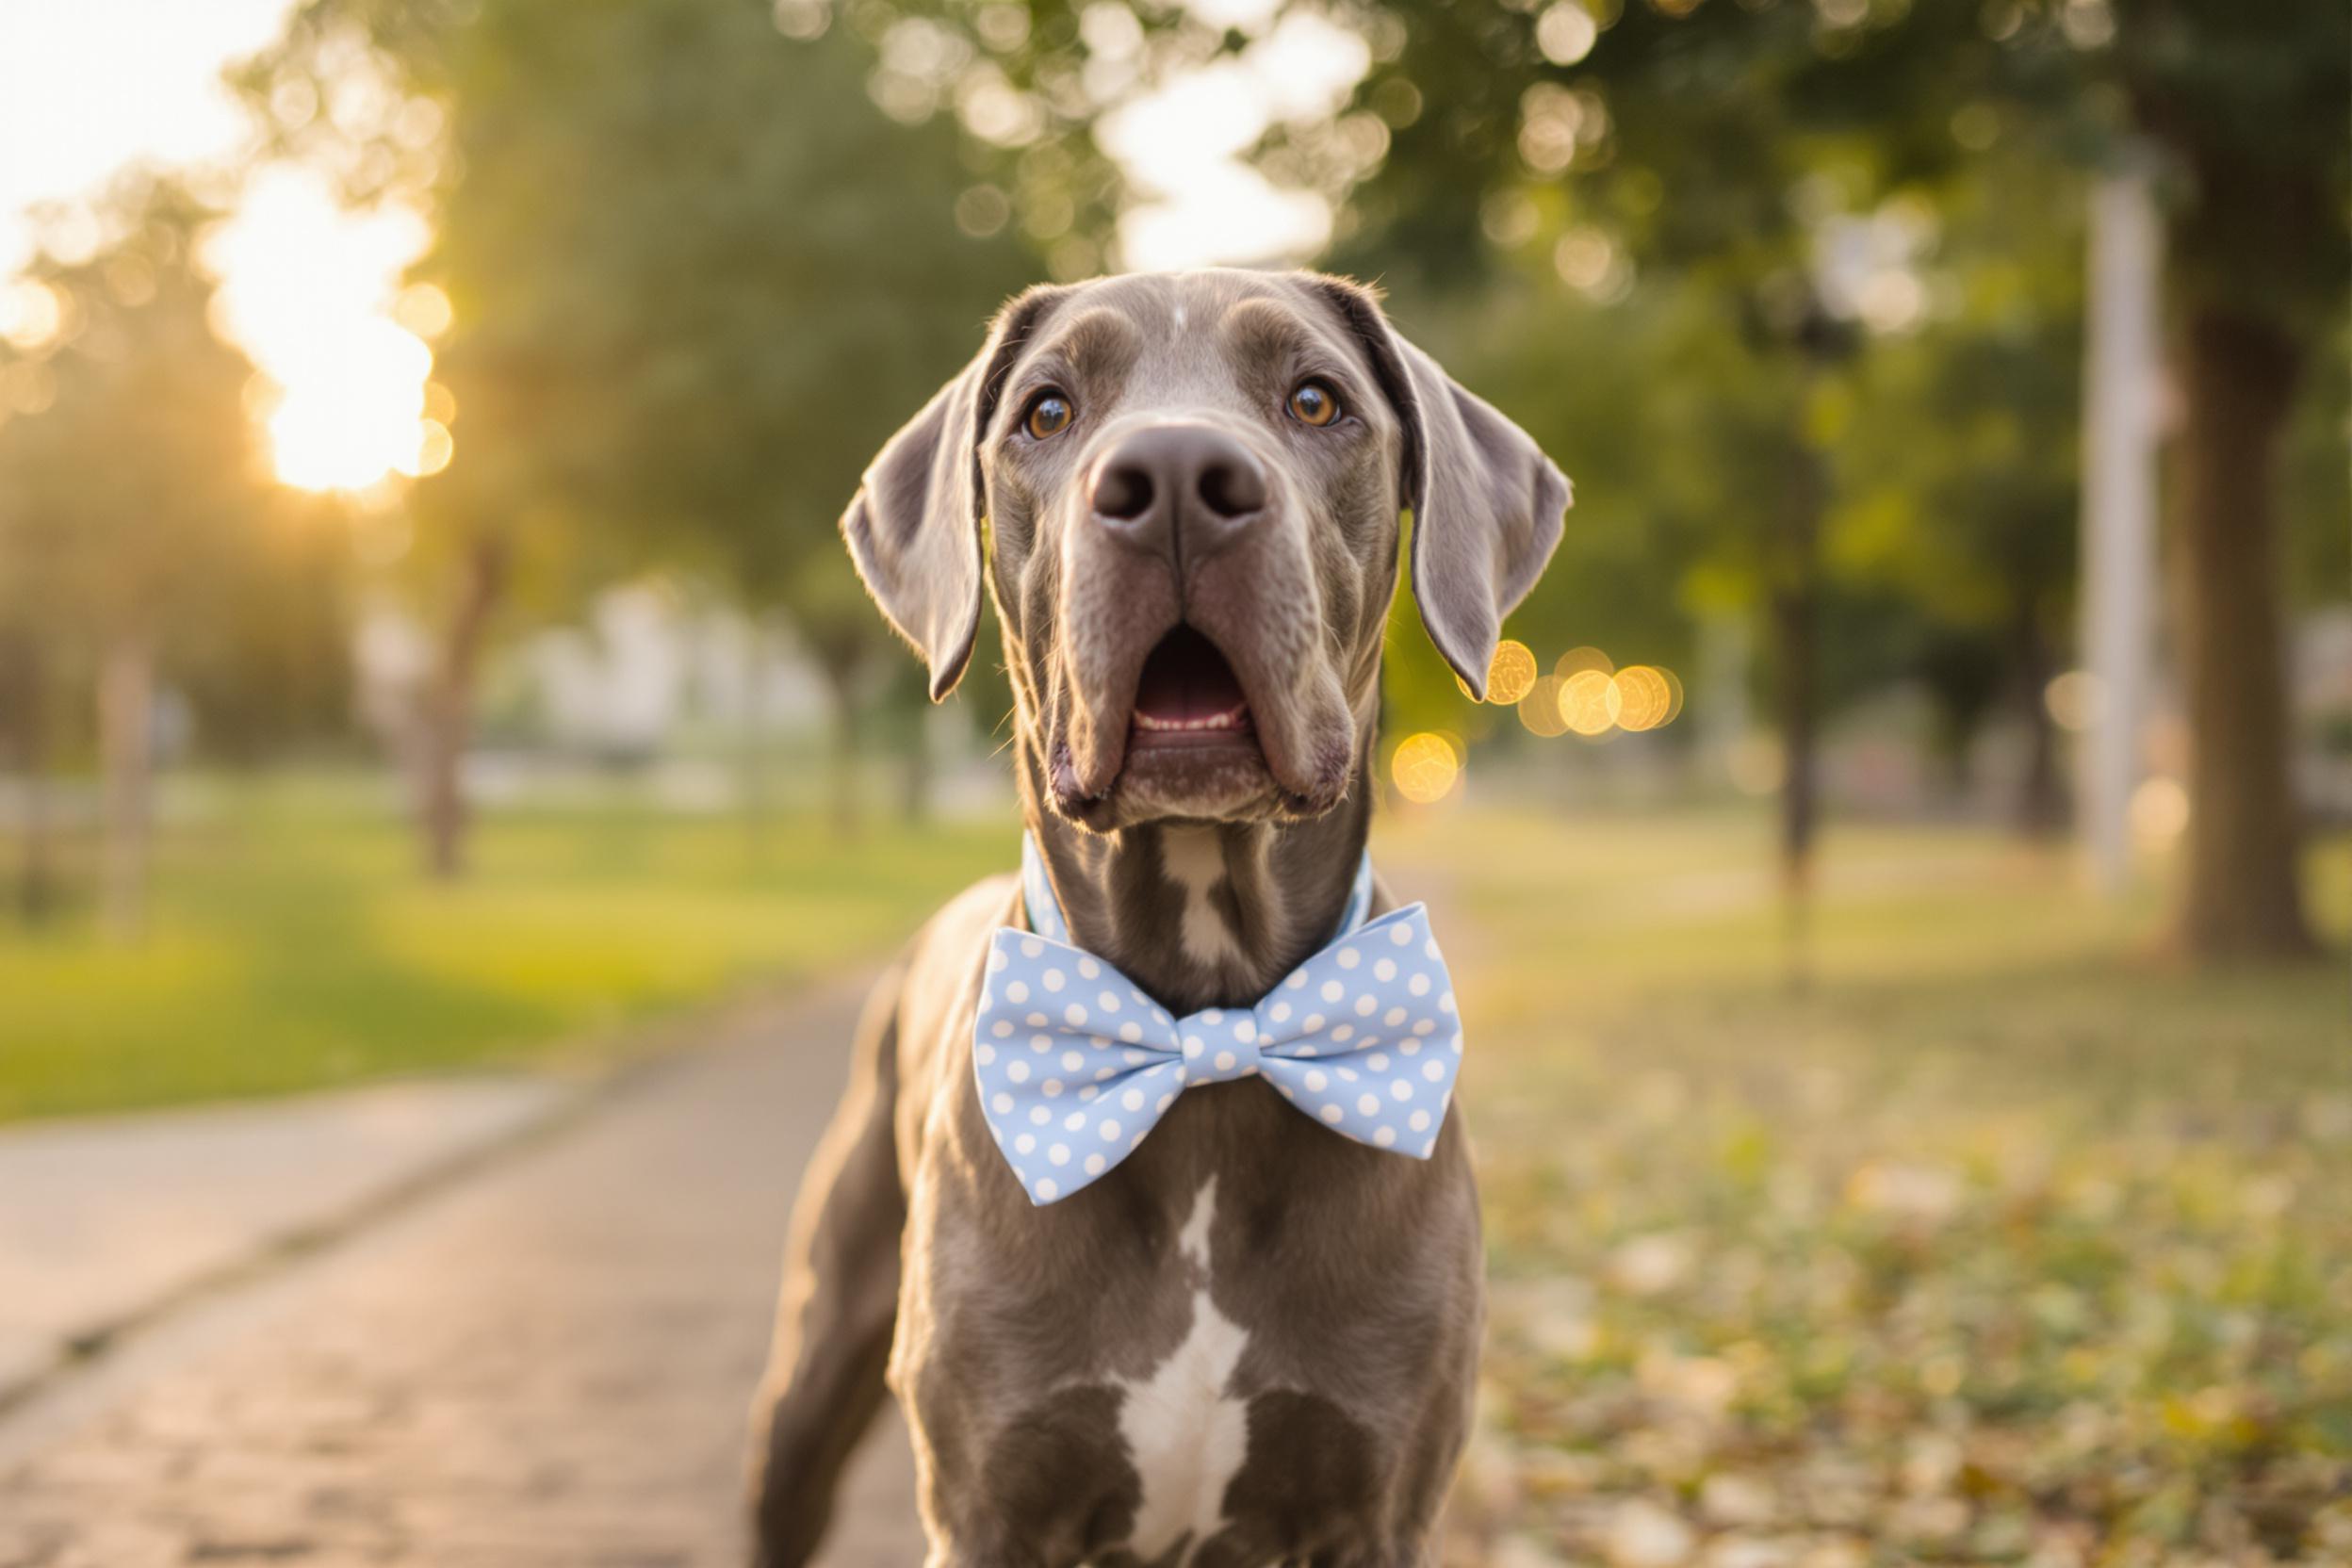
x,y
1011,1333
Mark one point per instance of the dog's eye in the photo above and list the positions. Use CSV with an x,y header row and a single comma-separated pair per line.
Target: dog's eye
x,y
1313,402
1050,414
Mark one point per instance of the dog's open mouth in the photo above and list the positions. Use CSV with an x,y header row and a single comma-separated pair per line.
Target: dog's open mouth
x,y
1188,696
1197,744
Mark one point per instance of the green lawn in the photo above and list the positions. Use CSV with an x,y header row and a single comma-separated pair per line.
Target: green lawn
x,y
293,946
2004,1240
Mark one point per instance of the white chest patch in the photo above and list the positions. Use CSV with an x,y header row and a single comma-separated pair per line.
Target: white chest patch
x,y
1193,863
1186,1437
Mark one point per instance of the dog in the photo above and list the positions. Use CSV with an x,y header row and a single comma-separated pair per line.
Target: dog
x,y
1251,1341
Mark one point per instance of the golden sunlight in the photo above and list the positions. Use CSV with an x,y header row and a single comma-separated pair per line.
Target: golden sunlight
x,y
313,294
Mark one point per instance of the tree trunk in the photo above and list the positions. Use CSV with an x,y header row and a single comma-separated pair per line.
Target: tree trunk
x,y
36,872
1795,614
449,710
914,801
752,752
2240,893
36,866
126,708
1796,606
843,743
2041,807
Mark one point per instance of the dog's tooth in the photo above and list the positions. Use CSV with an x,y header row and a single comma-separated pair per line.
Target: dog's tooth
x,y
1232,718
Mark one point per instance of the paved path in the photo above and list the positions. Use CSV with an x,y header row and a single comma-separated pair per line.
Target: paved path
x,y
544,1365
107,1220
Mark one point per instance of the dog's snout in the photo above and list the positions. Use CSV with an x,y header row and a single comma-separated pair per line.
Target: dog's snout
x,y
1188,486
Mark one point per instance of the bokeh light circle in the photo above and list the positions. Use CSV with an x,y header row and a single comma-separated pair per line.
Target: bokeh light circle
x,y
1644,699
1540,709
1509,673
1425,767
1588,702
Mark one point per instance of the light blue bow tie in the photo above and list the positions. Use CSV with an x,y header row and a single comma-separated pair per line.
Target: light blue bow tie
x,y
1076,1064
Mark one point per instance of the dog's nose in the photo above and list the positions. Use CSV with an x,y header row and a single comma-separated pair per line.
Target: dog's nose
x,y
1187,488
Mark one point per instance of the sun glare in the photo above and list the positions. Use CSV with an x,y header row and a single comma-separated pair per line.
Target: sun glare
x,y
313,294
1183,145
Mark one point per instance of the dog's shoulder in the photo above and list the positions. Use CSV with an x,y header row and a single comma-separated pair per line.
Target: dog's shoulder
x,y
931,991
949,949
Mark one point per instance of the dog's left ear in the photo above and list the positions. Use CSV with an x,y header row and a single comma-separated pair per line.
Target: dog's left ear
x,y
914,526
1486,503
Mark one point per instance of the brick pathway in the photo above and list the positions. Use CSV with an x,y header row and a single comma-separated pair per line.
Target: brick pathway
x,y
107,1220
548,1365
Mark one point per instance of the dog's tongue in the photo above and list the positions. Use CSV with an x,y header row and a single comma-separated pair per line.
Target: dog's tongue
x,y
1187,685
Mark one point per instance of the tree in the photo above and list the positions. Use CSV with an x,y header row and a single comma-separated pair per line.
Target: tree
x,y
1956,481
129,494
1695,161
2248,104
1697,136
688,357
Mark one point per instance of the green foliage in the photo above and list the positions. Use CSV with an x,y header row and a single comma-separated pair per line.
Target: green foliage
x,y
1670,211
699,277
135,507
1028,80
266,665
1685,131
2248,104
1956,481
1696,174
134,477
2317,500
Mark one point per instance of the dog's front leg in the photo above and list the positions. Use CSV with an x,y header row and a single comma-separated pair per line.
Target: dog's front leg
x,y
840,1305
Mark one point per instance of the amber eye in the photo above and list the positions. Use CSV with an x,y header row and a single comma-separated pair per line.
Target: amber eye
x,y
1313,402
1050,414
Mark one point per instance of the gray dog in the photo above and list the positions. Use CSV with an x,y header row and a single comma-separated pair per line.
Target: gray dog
x,y
1253,1341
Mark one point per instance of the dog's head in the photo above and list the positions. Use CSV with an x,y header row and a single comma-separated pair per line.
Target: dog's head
x,y
1186,489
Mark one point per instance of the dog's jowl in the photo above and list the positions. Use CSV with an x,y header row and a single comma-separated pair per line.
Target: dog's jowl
x,y
1149,1199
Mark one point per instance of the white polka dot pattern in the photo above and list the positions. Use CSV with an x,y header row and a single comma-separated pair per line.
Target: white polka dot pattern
x,y
1343,1076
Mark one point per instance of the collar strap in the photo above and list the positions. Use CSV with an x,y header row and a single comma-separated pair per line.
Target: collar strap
x,y
1045,916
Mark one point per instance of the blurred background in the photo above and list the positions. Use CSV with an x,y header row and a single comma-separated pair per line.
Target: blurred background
x,y
1901,872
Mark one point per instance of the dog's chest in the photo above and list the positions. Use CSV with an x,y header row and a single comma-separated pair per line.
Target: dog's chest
x,y
1250,1374
1186,1431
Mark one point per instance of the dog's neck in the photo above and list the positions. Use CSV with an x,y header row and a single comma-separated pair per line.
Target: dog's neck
x,y
1203,914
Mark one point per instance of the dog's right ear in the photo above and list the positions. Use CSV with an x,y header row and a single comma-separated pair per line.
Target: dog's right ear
x,y
914,527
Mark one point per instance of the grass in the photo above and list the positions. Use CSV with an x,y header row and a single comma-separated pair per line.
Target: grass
x,y
2002,1240
293,946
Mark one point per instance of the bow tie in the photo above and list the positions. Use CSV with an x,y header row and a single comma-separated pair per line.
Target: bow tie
x,y
1075,1064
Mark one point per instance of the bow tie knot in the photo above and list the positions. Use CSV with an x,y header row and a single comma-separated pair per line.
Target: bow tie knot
x,y
1219,1046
